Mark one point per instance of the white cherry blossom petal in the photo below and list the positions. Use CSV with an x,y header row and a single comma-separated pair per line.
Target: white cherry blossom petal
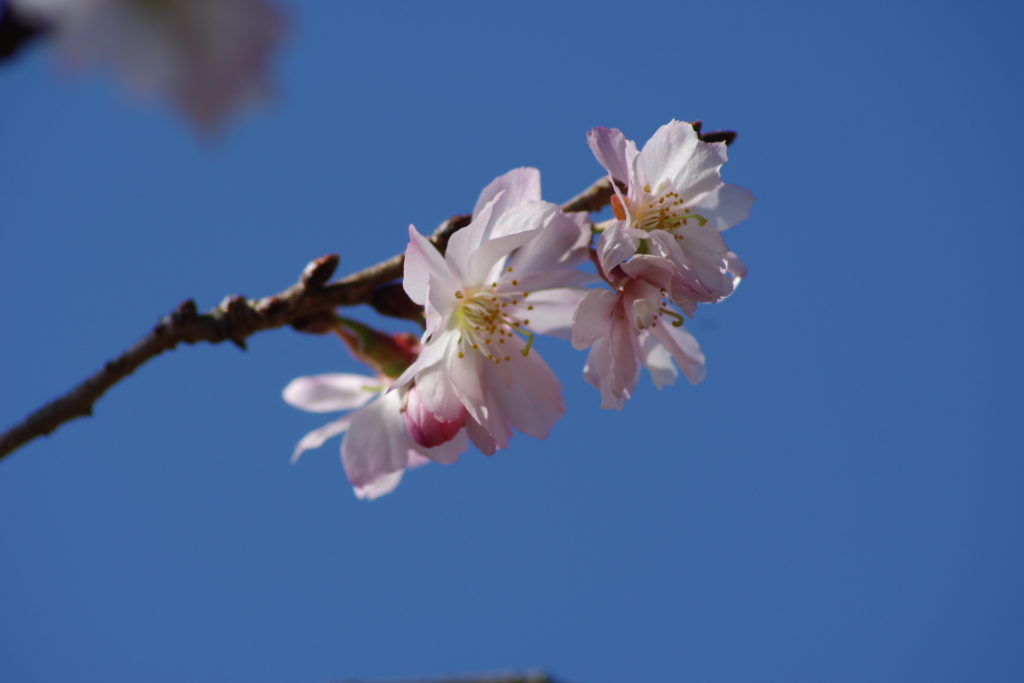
x,y
518,185
551,311
464,242
684,349
532,395
593,318
330,392
617,244
423,262
488,261
319,436
562,244
418,460
382,485
736,267
701,261
596,371
609,146
724,206
430,354
658,362
376,443
481,438
675,157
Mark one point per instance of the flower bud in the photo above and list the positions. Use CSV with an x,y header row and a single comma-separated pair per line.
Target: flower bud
x,y
387,354
424,427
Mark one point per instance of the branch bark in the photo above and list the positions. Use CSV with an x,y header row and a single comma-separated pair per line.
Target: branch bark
x,y
528,677
236,318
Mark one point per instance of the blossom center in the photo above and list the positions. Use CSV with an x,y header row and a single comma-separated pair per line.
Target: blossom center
x,y
666,211
488,319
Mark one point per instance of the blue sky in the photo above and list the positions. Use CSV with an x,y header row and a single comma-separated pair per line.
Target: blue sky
x,y
840,500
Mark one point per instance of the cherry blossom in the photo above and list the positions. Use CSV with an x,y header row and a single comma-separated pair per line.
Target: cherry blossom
x,y
510,274
634,326
377,448
208,56
675,206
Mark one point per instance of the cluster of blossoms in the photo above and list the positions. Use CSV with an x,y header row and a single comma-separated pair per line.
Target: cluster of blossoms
x,y
517,271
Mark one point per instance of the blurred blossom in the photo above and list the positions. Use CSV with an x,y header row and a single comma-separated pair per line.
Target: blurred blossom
x,y
208,57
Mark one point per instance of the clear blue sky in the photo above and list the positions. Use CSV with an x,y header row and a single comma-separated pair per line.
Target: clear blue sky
x,y
839,501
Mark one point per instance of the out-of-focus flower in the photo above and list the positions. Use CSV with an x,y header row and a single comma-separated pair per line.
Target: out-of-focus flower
x,y
509,274
377,448
675,206
207,56
633,327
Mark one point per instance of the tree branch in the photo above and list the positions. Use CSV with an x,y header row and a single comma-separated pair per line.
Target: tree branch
x,y
528,677
236,318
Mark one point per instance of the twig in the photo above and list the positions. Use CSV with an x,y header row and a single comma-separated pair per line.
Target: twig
x,y
236,318
528,677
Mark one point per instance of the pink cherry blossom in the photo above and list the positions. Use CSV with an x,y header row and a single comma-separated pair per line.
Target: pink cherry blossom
x,y
208,56
510,274
675,206
633,327
377,448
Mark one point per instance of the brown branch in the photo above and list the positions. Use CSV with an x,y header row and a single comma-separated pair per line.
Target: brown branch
x,y
528,677
302,305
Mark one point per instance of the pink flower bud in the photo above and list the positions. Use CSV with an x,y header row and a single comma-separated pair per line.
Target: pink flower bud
x,y
424,427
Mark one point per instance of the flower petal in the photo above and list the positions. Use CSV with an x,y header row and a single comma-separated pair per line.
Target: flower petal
x,y
596,371
376,443
593,318
561,245
736,267
684,349
319,436
616,245
464,242
518,185
435,390
488,261
700,259
423,261
431,353
675,157
384,484
724,206
481,438
446,453
529,393
658,362
551,311
331,392
609,146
